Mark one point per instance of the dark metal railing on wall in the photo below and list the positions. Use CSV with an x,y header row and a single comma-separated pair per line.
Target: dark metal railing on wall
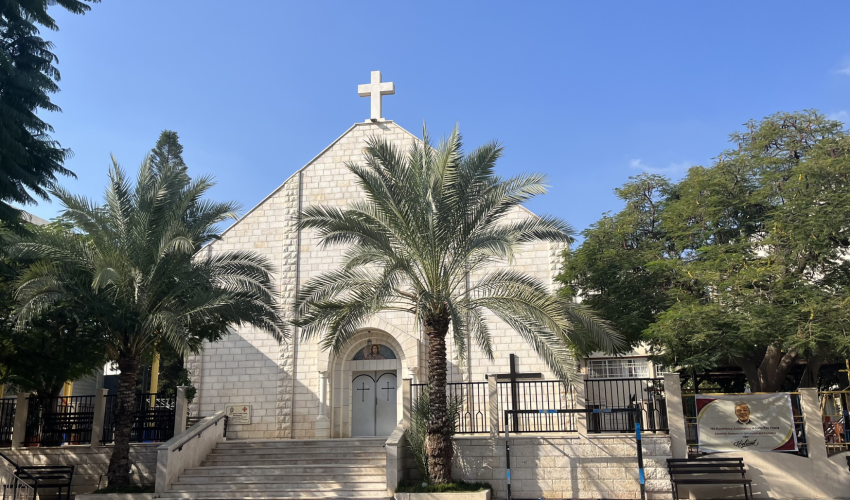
x,y
473,417
538,395
53,421
7,420
645,395
153,420
530,405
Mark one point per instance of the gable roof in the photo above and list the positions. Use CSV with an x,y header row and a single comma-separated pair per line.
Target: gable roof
x,y
307,165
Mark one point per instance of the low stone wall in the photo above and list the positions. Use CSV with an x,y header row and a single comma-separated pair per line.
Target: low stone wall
x,y
564,466
783,476
90,463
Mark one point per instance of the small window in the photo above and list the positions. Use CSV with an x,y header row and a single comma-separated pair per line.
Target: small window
x,y
618,368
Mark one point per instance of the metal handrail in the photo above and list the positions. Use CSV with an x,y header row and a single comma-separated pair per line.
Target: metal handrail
x,y
17,482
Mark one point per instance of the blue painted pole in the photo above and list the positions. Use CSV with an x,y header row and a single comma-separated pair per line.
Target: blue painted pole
x,y
640,462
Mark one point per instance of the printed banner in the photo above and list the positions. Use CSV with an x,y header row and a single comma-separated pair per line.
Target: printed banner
x,y
746,422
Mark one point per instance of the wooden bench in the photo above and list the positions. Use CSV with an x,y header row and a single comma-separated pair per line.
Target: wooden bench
x,y
705,471
45,476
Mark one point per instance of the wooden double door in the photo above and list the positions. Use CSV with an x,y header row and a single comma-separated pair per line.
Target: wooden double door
x,y
373,408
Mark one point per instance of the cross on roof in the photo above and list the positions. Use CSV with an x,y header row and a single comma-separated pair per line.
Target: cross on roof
x,y
376,90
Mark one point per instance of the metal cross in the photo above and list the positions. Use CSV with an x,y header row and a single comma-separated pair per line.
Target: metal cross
x,y
376,90
513,376
388,389
362,393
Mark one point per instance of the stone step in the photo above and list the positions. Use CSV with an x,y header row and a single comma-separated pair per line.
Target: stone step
x,y
239,470
289,443
313,495
274,486
282,478
377,462
317,450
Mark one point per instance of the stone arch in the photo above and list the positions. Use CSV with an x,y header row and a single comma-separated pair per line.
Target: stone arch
x,y
339,368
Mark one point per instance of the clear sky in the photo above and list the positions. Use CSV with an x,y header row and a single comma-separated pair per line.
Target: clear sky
x,y
589,93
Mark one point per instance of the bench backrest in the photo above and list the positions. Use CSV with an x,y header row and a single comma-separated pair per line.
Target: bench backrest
x,y
55,474
705,465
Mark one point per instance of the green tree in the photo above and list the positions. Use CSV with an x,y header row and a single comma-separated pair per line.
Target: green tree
x,y
431,218
748,264
133,270
763,280
29,158
57,346
168,151
622,268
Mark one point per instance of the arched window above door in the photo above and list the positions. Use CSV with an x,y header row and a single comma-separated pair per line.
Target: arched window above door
x,y
374,352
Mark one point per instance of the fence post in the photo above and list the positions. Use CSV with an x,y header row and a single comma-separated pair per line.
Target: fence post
x,y
813,424
99,417
19,431
406,402
493,400
579,403
675,415
180,410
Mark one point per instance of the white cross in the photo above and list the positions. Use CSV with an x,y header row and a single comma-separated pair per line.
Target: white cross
x,y
375,90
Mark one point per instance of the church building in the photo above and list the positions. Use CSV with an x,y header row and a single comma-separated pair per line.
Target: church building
x,y
297,390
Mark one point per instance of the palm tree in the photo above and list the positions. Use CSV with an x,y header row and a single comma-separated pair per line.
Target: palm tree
x,y
133,267
431,218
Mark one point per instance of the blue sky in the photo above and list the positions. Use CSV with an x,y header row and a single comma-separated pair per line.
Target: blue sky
x,y
589,93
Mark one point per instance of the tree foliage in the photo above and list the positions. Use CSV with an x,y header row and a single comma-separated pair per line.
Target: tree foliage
x,y
750,266
132,268
432,218
30,159
57,346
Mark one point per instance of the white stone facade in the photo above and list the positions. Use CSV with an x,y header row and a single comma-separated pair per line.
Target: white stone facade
x,y
297,390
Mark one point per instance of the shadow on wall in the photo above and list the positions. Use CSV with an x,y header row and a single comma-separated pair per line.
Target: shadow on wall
x,y
781,475
236,371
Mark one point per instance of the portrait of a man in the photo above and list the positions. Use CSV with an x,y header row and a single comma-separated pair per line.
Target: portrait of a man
x,y
371,352
742,412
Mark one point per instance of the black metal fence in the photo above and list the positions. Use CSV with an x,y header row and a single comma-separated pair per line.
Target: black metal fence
x,y
474,399
645,395
153,420
7,420
537,395
53,421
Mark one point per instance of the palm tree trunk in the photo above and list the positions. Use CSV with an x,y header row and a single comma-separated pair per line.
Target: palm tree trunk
x,y
118,474
438,440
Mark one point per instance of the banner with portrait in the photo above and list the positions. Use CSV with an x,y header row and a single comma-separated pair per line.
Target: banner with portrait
x,y
745,422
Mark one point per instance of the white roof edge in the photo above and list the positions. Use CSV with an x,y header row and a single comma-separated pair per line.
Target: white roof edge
x,y
277,189
323,151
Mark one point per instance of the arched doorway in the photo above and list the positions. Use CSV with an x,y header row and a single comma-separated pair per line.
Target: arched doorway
x,y
365,392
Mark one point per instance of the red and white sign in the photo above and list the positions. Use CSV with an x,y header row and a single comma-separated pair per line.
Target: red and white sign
x,y
238,414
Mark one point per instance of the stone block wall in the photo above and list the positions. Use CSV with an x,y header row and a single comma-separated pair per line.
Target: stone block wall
x,y
282,381
563,466
90,464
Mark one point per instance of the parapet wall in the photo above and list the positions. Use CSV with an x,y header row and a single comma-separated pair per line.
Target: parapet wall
x,y
563,466
90,463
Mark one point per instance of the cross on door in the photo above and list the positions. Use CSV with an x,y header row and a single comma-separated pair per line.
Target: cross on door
x,y
513,376
388,389
363,390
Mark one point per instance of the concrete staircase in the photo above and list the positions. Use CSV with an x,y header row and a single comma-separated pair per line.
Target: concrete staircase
x,y
288,469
